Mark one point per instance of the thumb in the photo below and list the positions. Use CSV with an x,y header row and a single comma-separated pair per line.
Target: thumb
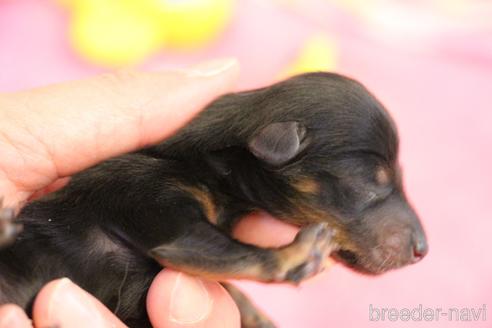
x,y
58,130
13,316
61,303
178,300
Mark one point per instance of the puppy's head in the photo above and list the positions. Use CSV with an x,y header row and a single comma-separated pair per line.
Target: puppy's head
x,y
335,147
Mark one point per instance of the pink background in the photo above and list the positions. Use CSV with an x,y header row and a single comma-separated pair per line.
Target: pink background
x,y
438,86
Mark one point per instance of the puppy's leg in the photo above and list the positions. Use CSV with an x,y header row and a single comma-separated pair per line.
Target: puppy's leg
x,y
204,250
251,316
9,229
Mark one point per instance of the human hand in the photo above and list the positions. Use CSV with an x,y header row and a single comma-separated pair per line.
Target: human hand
x,y
48,134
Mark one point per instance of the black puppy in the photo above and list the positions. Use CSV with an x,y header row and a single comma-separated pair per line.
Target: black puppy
x,y
317,150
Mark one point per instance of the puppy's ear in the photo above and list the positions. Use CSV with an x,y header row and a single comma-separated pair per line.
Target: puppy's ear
x,y
278,143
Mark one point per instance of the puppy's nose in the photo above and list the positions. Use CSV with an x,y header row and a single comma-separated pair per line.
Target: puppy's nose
x,y
420,247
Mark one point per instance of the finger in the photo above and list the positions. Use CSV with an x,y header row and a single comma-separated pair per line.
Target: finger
x,y
178,300
58,130
264,230
52,187
12,316
61,303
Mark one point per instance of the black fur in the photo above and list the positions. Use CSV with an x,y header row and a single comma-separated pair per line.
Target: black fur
x,y
315,148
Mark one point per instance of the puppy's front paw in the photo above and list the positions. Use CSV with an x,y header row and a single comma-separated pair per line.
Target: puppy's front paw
x,y
9,229
305,256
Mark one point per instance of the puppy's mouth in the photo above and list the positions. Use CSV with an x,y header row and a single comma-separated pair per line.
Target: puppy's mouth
x,y
355,262
365,264
347,257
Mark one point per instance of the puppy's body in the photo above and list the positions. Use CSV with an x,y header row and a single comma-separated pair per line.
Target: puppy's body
x,y
316,150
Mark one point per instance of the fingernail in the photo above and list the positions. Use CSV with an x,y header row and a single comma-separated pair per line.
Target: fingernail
x,y
69,307
190,300
14,319
211,68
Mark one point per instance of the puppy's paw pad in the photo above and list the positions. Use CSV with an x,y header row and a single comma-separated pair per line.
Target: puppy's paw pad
x,y
304,270
9,229
304,257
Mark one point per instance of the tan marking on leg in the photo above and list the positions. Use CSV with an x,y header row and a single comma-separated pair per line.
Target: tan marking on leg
x,y
206,201
293,263
237,271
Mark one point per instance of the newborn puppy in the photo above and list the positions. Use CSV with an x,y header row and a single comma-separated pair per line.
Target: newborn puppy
x,y
317,150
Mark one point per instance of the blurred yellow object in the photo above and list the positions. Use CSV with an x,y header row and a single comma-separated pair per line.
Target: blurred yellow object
x,y
65,2
192,23
319,53
118,32
112,33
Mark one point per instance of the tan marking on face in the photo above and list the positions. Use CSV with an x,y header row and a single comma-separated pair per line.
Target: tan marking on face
x,y
308,213
307,185
382,176
206,201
